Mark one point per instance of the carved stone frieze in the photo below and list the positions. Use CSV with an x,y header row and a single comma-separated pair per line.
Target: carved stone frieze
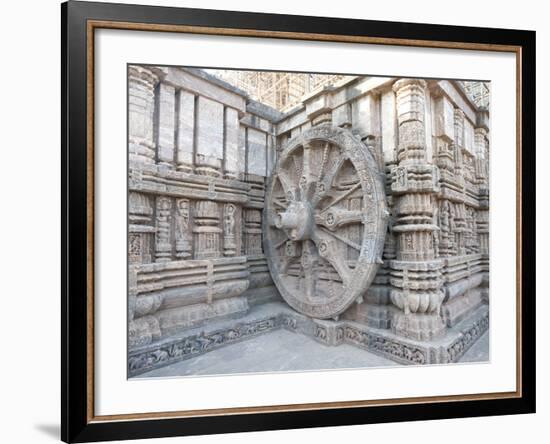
x,y
138,362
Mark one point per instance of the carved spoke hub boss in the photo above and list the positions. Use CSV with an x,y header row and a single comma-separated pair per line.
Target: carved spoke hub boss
x,y
324,221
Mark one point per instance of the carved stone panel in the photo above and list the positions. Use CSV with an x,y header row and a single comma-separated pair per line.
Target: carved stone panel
x,y
324,199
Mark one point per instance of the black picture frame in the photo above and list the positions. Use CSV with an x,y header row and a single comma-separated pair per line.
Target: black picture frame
x,y
77,422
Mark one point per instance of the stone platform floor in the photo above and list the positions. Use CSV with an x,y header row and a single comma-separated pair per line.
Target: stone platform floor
x,y
284,351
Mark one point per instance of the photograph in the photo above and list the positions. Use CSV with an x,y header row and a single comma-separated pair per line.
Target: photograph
x,y
301,221
276,221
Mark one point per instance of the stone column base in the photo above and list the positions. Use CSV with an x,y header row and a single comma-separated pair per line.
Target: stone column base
x,y
418,326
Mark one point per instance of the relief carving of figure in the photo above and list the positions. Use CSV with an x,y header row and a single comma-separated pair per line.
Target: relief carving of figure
x,y
229,220
230,245
182,220
183,236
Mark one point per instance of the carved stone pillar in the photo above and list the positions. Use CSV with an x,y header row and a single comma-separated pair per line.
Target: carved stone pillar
x,y
141,227
444,131
163,248
458,212
446,237
186,131
415,275
182,229
207,231
483,231
482,156
141,108
458,145
166,125
410,100
252,232
481,138
482,222
209,137
472,243
233,157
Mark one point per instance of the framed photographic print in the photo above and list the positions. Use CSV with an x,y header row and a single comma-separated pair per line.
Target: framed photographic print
x,y
275,221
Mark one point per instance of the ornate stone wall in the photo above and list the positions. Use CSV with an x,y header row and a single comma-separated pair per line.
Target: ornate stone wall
x,y
201,155
432,143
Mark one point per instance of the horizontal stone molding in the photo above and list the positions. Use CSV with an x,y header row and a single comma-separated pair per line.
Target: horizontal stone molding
x,y
138,228
461,267
159,276
174,320
458,288
415,178
167,182
341,95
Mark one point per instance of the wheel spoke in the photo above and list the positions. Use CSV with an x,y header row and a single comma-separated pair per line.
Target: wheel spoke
x,y
297,165
308,263
342,196
308,178
338,217
346,241
285,264
325,181
328,251
280,243
278,203
286,182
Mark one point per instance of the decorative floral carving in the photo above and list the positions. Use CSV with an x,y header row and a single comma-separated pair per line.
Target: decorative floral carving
x,y
197,344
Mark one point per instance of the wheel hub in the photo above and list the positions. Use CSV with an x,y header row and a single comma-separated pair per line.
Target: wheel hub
x,y
297,221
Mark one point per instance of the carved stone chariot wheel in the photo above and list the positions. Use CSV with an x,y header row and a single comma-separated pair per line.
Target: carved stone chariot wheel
x,y
324,221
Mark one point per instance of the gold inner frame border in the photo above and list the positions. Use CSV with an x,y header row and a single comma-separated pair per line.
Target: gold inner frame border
x,y
92,25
